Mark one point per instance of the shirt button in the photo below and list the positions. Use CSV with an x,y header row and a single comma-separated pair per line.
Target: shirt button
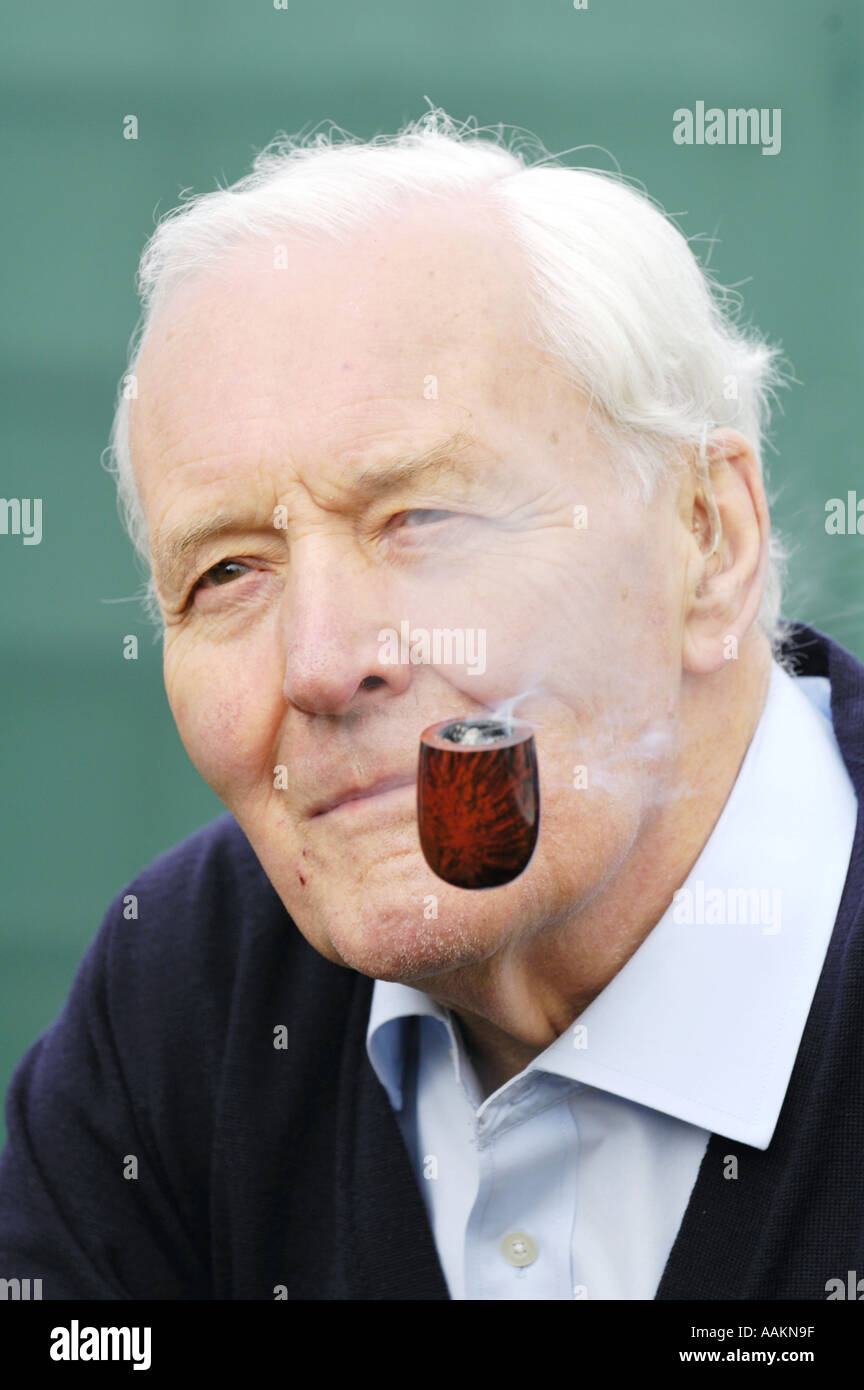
x,y
519,1249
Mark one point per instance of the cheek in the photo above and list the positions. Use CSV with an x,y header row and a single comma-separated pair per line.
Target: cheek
x,y
564,625
228,721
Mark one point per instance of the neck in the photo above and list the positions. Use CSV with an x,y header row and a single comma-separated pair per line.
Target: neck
x,y
524,998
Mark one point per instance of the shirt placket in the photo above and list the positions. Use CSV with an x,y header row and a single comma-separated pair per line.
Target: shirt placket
x,y
519,1236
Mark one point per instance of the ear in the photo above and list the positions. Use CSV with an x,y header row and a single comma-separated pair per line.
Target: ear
x,y
725,511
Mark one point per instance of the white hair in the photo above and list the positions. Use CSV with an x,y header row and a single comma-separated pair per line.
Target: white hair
x,y
616,295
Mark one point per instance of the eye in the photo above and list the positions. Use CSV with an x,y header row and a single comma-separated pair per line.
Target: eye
x,y
424,516
221,573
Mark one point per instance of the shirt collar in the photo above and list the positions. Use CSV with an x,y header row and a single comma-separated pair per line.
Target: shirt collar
x,y
705,1019
392,1004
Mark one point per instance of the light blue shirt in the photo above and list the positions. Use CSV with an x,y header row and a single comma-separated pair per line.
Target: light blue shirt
x,y
571,1180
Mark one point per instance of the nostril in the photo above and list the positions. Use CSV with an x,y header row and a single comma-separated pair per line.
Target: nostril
x,y
371,682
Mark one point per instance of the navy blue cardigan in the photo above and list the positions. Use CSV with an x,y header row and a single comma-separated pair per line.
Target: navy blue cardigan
x,y
265,1172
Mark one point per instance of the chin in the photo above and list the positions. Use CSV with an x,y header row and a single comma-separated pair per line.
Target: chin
x,y
389,933
377,908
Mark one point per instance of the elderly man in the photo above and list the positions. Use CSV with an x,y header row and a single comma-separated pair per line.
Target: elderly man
x,y
421,381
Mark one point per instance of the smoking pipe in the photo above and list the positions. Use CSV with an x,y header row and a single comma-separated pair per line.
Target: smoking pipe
x,y
478,800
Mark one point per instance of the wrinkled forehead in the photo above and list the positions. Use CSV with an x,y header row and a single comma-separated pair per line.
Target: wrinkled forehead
x,y
428,312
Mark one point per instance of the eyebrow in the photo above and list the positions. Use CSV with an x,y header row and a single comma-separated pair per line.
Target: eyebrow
x,y
437,460
369,482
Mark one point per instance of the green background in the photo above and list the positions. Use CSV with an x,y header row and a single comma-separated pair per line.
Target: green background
x,y
96,782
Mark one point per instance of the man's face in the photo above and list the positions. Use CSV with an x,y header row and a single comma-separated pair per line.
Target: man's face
x,y
272,401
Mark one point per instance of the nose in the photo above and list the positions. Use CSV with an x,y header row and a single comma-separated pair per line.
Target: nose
x,y
336,603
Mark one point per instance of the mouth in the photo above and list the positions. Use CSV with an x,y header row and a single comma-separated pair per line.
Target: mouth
x,y
373,792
